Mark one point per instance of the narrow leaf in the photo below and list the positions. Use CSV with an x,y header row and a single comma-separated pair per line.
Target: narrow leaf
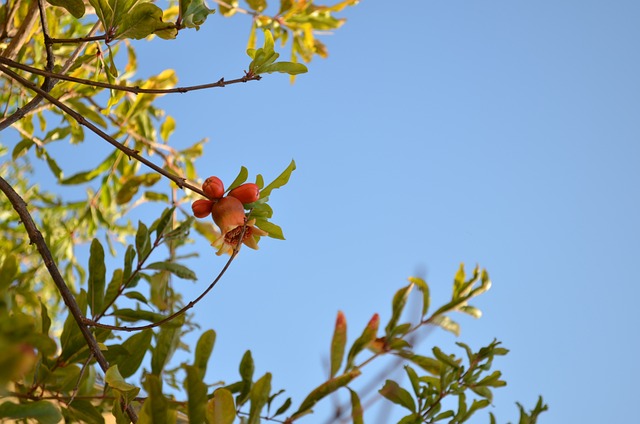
x,y
356,408
324,390
174,268
338,343
281,180
97,277
396,394
220,408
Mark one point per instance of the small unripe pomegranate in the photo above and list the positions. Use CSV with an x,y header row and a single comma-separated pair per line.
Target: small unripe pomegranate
x,y
228,213
201,207
246,193
213,188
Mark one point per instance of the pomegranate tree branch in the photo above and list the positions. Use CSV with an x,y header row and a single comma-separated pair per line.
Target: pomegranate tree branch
x,y
35,101
136,90
188,306
35,236
180,182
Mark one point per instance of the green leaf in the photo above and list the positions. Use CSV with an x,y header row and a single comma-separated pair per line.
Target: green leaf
x,y
476,405
324,390
396,394
397,306
133,315
180,232
75,7
203,350
8,271
227,11
143,242
368,335
136,347
160,225
53,166
136,296
430,365
196,394
426,297
290,68
132,185
21,148
71,339
447,324
356,408
86,176
257,5
259,396
471,310
413,379
240,179
142,20
485,392
282,179
83,411
44,316
168,127
246,373
174,268
274,230
338,343
42,411
194,13
114,379
166,345
97,277
113,287
446,359
283,408
220,408
155,409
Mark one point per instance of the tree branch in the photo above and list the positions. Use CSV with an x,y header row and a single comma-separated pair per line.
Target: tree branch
x,y
35,236
33,103
136,90
23,32
181,182
186,307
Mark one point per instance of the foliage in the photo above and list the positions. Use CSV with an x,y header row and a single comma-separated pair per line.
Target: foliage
x,y
68,70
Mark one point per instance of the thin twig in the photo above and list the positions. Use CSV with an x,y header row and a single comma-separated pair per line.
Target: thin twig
x,y
181,182
136,90
36,238
77,40
33,103
185,308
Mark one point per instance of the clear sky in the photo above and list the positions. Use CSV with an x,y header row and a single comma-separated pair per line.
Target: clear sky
x,y
502,133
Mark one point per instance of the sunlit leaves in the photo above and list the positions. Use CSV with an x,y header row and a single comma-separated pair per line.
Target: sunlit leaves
x,y
221,408
259,396
178,270
324,390
97,275
396,394
43,411
114,379
280,181
194,13
75,7
264,60
142,20
132,185
368,335
197,394
338,343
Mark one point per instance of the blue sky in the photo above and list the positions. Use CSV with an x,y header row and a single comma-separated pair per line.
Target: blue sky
x,y
499,133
